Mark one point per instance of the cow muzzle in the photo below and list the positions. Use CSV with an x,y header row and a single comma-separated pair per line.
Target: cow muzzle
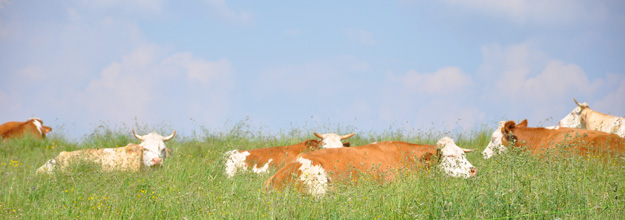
x,y
472,171
157,161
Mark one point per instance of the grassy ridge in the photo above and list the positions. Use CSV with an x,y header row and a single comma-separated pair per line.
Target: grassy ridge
x,y
192,184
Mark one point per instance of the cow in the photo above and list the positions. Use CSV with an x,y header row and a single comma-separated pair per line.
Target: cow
x,y
132,157
314,171
538,140
260,160
33,127
585,118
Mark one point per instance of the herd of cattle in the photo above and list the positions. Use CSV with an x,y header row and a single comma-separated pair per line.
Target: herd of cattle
x,y
313,164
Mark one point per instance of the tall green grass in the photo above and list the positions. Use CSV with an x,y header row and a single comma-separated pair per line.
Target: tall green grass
x,y
192,183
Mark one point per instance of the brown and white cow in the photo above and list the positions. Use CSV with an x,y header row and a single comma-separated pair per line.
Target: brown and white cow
x,y
314,171
260,160
585,118
150,152
33,127
538,140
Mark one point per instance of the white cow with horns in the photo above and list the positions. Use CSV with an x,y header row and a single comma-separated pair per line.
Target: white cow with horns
x,y
585,118
149,153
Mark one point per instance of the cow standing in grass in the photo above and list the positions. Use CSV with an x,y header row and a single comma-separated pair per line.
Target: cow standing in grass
x,y
260,160
149,153
314,171
585,118
33,127
538,140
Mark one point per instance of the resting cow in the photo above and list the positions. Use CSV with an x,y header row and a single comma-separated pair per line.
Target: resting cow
x,y
150,152
263,158
585,118
313,171
33,127
538,140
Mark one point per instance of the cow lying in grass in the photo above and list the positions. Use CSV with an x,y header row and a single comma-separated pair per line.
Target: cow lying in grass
x,y
584,117
538,140
260,160
33,127
313,171
150,152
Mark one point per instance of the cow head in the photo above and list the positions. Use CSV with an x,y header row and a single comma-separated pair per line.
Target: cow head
x,y
575,119
154,149
501,136
453,160
42,129
331,140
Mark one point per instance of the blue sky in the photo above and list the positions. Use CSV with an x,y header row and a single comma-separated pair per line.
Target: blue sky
x,y
370,65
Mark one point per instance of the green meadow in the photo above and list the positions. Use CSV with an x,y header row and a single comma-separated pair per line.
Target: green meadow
x,y
192,183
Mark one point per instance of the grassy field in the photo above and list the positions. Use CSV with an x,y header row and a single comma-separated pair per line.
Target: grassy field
x,y
192,184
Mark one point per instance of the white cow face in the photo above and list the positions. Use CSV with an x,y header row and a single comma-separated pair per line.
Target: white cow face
x,y
331,140
154,149
453,159
495,146
573,119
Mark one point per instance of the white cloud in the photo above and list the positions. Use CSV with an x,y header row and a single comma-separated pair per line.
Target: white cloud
x,y
325,77
225,11
444,81
4,3
538,11
360,36
523,72
524,82
611,103
199,70
442,98
135,86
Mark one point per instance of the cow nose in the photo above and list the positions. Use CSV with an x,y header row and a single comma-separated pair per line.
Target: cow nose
x,y
157,161
472,171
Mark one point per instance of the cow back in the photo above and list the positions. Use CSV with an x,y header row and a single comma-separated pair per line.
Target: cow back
x,y
377,159
282,154
11,130
538,140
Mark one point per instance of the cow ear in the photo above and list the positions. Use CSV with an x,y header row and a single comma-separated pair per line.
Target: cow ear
x,y
523,124
346,144
427,157
46,129
313,144
508,127
134,148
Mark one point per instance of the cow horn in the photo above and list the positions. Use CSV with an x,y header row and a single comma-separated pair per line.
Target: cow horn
x,y
577,102
347,136
136,135
318,135
170,136
468,150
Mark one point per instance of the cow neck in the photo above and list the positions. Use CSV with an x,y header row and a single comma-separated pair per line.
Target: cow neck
x,y
526,136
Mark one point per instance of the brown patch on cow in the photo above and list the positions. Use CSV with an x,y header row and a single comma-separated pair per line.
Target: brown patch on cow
x,y
280,156
379,161
11,130
287,175
585,142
